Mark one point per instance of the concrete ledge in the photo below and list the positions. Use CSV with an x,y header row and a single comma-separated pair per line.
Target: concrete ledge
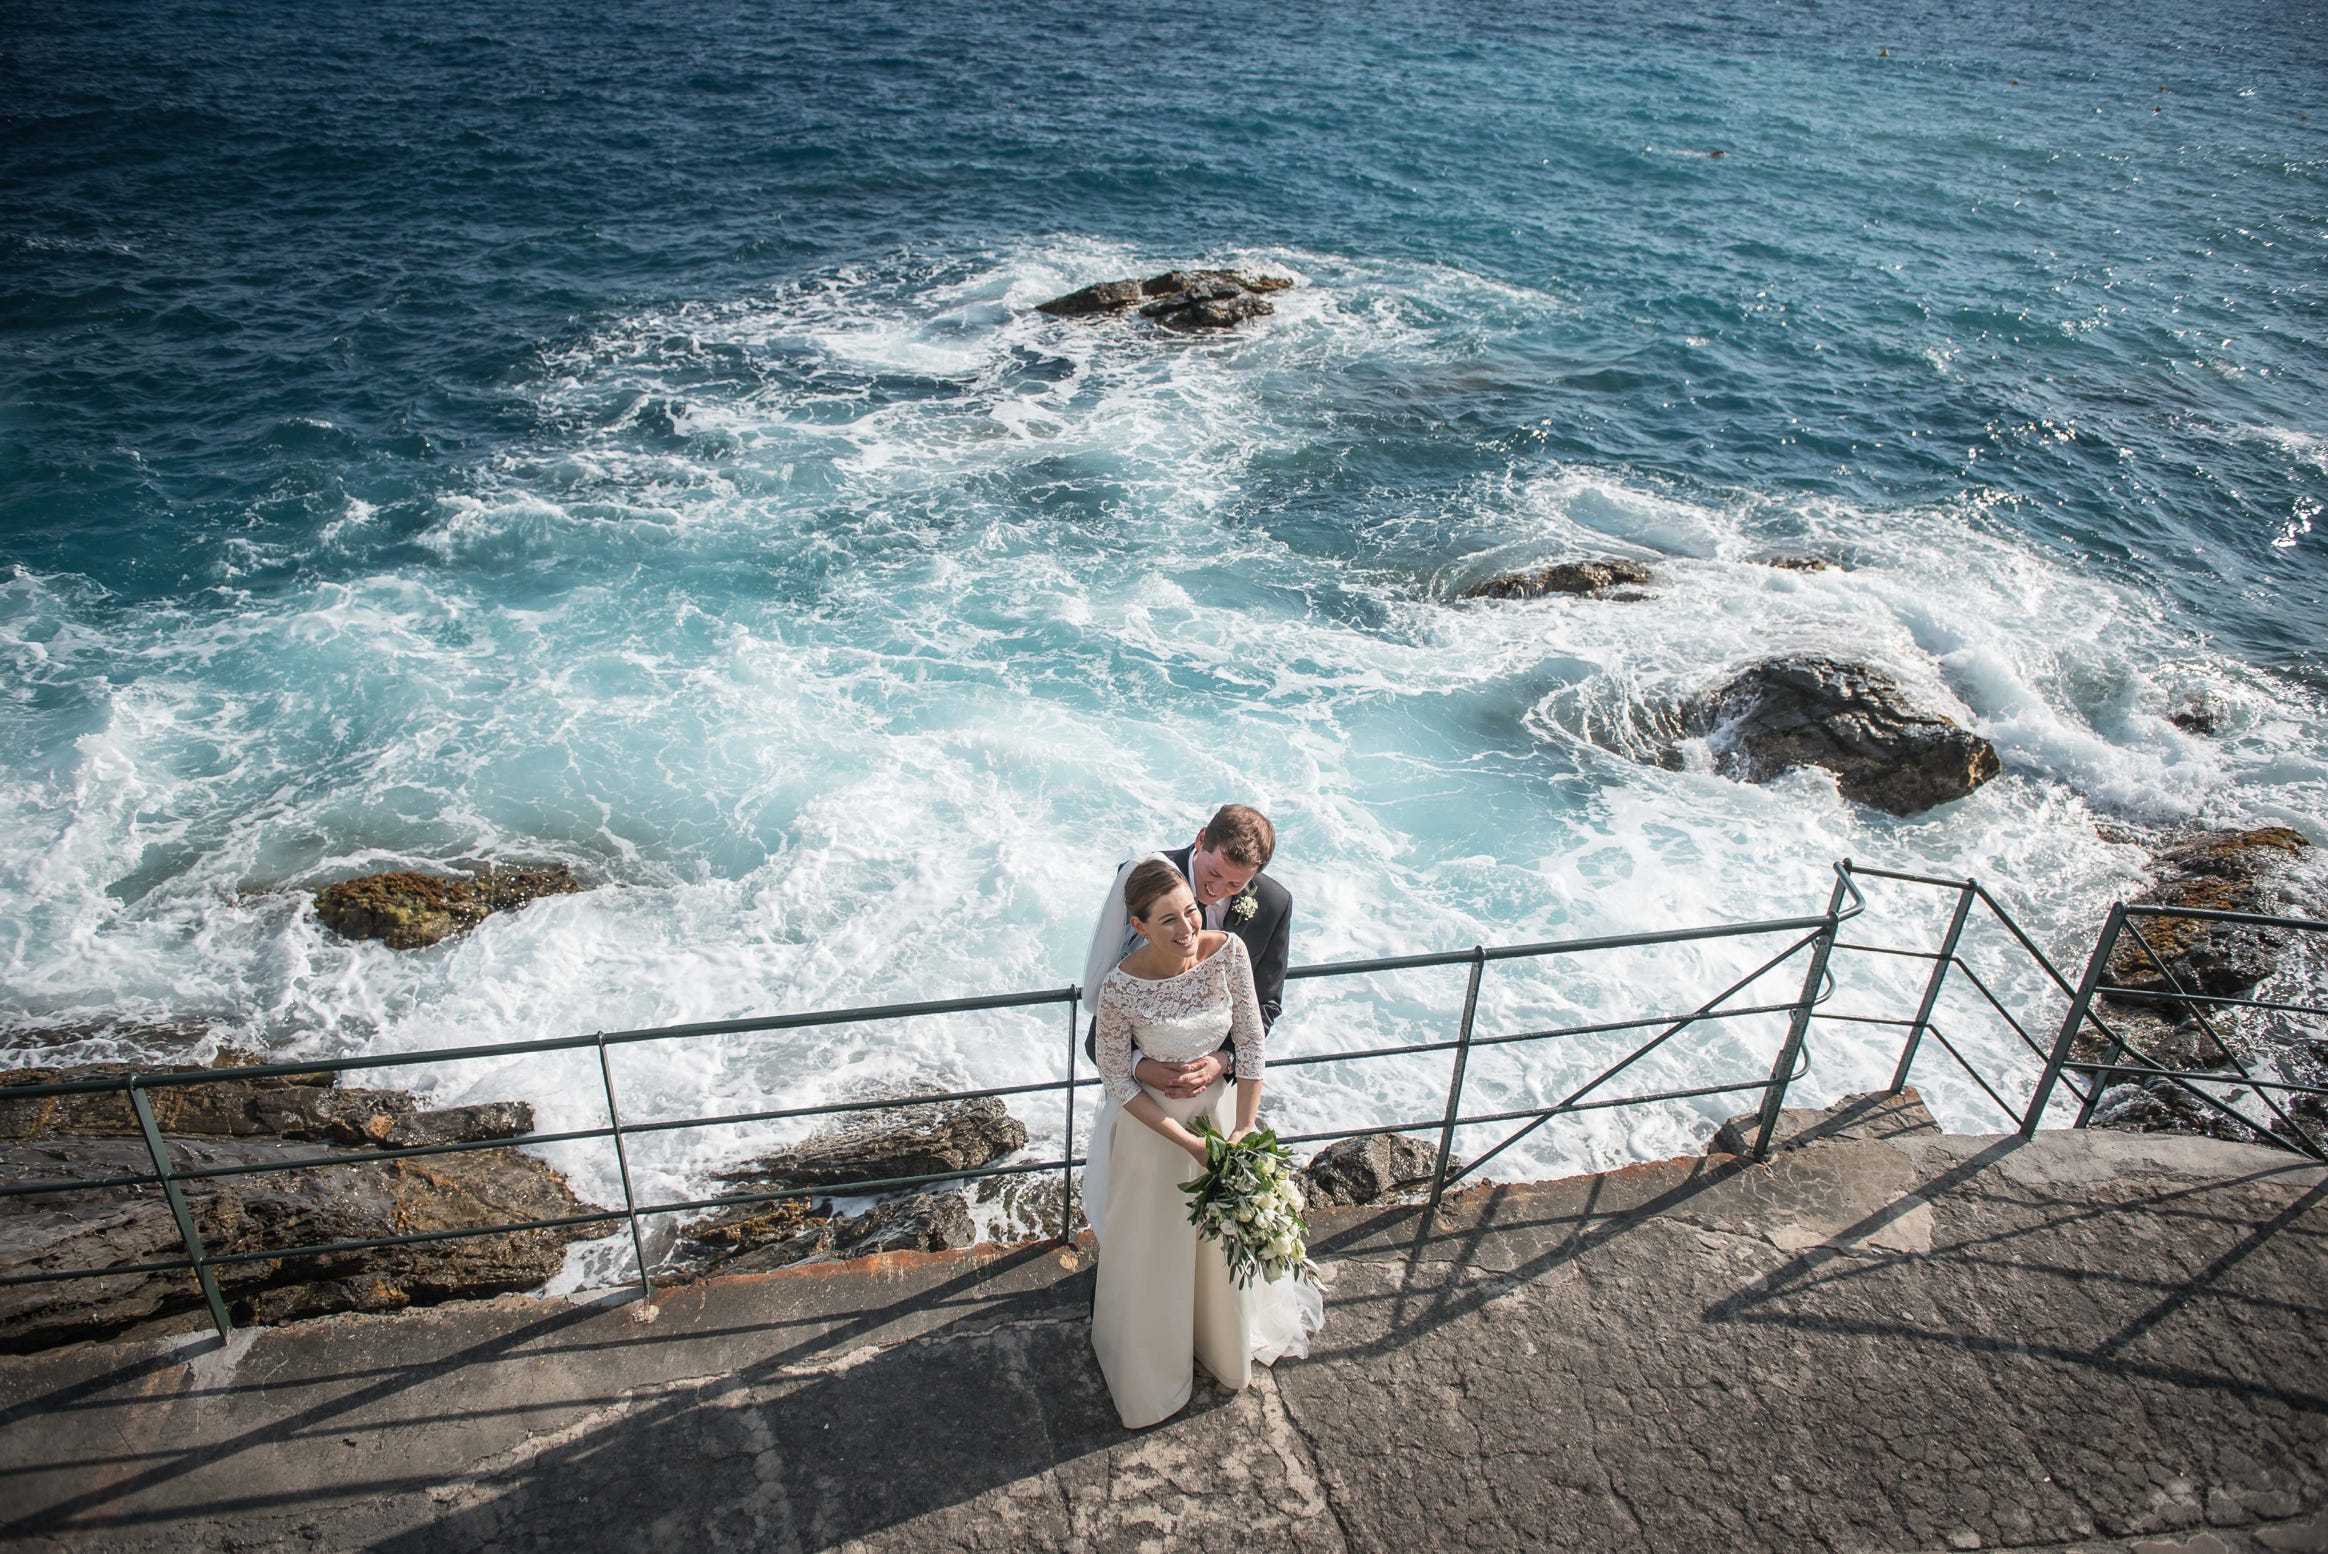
x,y
1913,1342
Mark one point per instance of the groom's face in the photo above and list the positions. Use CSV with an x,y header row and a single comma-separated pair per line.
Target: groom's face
x,y
1217,876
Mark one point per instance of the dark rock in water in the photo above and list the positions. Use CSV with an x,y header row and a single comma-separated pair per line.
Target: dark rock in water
x,y
1849,719
2223,871
2196,718
1184,301
1801,563
1367,1170
925,1222
1872,1115
1592,579
96,1227
907,1141
410,911
1106,297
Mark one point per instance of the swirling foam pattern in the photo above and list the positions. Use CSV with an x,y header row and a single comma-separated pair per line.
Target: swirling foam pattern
x,y
624,438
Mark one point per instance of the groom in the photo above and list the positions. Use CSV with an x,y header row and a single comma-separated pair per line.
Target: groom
x,y
1223,867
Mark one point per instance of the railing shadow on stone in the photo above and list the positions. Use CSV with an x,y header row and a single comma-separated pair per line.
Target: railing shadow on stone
x,y
189,1174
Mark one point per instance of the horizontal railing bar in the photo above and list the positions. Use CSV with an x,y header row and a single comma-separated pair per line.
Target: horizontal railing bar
x,y
858,1016
855,1189
2216,915
55,1275
2115,991
60,1184
1913,879
409,1152
1889,949
333,1248
1551,947
1685,1018
671,1125
2199,1076
178,1077
1546,1113
1859,1019
1426,1125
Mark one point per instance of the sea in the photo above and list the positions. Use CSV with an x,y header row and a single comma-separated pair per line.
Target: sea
x,y
624,437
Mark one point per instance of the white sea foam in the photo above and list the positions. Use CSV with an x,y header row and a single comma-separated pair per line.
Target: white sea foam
x,y
848,635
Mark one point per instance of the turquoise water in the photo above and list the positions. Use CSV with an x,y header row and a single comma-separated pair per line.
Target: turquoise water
x,y
529,432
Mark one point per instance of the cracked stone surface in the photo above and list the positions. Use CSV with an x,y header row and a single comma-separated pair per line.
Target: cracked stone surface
x,y
2097,1342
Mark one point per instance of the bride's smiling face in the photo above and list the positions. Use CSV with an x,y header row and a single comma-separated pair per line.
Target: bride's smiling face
x,y
1172,923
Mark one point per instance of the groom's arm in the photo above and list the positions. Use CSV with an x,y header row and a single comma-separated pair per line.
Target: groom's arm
x,y
1269,966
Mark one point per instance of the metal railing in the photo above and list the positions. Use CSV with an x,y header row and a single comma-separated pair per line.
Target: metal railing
x,y
1815,937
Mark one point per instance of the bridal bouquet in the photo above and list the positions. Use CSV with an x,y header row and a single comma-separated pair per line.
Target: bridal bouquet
x,y
1248,1201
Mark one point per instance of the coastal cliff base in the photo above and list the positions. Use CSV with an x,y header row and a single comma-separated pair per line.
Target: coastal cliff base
x,y
1884,1339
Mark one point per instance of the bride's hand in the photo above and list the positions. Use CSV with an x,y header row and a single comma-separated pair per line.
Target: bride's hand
x,y
1196,1149
1239,1135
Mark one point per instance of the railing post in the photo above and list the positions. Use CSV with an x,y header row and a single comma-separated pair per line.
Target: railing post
x,y
1932,988
1798,1027
1454,1091
177,1200
1067,1155
2073,1022
622,1164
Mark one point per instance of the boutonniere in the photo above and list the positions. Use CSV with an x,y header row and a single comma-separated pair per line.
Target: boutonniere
x,y
1244,906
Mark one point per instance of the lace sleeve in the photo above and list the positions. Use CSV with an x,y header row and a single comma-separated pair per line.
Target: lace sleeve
x,y
1245,1028
1114,1044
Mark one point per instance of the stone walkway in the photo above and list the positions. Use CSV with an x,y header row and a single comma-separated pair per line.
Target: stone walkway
x,y
1918,1342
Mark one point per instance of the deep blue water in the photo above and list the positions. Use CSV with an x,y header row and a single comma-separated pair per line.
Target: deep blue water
x,y
621,435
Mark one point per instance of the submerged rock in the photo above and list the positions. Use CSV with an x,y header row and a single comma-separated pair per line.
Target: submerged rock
x,y
97,1227
410,911
1591,579
1801,563
1184,301
2223,871
1851,720
1367,1170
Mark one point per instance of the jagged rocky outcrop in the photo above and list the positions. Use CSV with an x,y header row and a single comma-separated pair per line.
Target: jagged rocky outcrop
x,y
1871,1114
74,1140
1612,578
1368,1170
2222,871
1183,301
407,910
881,1146
1852,720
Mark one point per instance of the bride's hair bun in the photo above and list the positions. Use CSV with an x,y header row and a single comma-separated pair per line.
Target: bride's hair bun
x,y
1151,881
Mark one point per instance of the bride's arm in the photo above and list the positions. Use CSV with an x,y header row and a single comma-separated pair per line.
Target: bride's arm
x,y
1247,1032
1115,1071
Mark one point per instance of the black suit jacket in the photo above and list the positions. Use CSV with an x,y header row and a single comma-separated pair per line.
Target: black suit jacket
x,y
1268,936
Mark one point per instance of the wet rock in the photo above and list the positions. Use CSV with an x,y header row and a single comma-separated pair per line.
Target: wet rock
x,y
1367,1170
906,1141
1851,720
2224,871
2196,717
1590,579
1872,1114
410,911
1801,563
1184,301
85,1227
1015,1209
294,1107
2162,1106
759,1237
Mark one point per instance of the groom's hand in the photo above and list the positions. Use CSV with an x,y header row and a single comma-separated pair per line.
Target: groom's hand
x,y
1180,1080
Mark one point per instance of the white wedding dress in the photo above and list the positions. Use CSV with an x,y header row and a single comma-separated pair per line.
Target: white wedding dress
x,y
1165,1299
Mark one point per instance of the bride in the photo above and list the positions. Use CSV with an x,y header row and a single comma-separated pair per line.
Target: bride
x,y
1165,1297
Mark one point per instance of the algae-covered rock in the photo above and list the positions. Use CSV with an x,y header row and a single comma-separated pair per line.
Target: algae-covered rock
x,y
408,910
1602,579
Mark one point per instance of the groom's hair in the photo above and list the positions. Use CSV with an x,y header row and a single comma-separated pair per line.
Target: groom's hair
x,y
1242,834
